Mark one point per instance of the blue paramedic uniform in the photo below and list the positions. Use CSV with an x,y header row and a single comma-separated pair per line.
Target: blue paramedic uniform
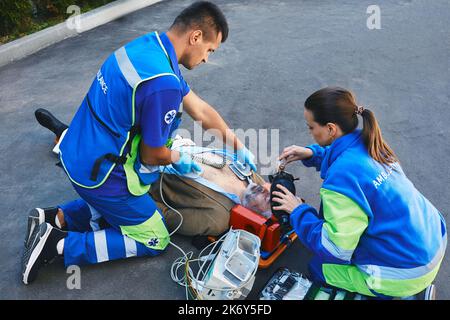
x,y
136,96
375,233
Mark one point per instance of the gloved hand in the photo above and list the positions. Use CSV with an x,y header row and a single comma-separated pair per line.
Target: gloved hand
x,y
186,164
245,156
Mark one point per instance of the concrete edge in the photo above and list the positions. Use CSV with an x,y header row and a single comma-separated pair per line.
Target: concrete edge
x,y
20,48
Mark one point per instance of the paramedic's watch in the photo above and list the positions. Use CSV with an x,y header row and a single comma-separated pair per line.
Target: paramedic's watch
x,y
245,156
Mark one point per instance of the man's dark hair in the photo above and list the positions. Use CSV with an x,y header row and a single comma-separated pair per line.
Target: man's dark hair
x,y
203,15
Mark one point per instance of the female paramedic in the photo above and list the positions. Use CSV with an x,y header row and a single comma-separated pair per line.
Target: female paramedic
x,y
375,233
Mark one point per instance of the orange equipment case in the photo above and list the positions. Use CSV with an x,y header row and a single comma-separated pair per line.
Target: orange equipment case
x,y
273,242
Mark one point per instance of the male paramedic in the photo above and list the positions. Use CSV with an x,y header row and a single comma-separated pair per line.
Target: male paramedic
x,y
117,140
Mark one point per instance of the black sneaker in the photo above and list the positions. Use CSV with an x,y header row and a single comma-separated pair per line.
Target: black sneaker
x,y
49,121
38,216
42,250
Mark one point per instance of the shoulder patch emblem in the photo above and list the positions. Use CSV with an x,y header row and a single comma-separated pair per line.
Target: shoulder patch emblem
x,y
168,118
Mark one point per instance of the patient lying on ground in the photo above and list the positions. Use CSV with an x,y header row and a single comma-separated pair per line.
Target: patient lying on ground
x,y
204,200
217,175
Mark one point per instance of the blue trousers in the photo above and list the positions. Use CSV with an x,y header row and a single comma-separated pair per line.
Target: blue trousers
x,y
88,243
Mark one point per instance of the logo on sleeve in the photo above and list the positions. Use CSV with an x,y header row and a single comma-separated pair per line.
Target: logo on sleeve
x,y
153,242
168,118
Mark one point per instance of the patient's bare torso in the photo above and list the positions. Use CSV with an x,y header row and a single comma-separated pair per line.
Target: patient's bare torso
x,y
224,178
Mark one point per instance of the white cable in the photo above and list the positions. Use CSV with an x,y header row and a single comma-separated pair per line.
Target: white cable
x,y
162,197
215,243
187,257
181,261
177,264
223,288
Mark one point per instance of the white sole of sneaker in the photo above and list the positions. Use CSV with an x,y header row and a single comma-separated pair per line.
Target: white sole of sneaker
x,y
35,254
430,293
35,218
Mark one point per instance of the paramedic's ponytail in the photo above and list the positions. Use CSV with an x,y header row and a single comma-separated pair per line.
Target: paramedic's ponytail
x,y
338,105
376,146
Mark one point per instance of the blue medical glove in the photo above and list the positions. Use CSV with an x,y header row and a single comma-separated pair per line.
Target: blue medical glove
x,y
245,156
186,164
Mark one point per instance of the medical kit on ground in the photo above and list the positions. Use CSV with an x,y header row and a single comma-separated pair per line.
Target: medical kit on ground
x,y
225,272
289,285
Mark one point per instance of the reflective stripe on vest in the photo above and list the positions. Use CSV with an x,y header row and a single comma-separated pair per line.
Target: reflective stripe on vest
x,y
136,183
139,177
106,135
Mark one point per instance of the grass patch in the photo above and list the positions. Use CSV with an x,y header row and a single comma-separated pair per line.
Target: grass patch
x,y
27,22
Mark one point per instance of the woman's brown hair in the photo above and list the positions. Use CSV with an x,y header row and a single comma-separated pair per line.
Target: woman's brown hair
x,y
338,105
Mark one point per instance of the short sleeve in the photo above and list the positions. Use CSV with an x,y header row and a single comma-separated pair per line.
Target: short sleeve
x,y
158,102
184,86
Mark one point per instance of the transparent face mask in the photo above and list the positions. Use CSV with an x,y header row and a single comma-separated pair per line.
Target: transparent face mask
x,y
257,199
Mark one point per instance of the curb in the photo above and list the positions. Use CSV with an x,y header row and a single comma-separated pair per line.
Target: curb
x,y
20,48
